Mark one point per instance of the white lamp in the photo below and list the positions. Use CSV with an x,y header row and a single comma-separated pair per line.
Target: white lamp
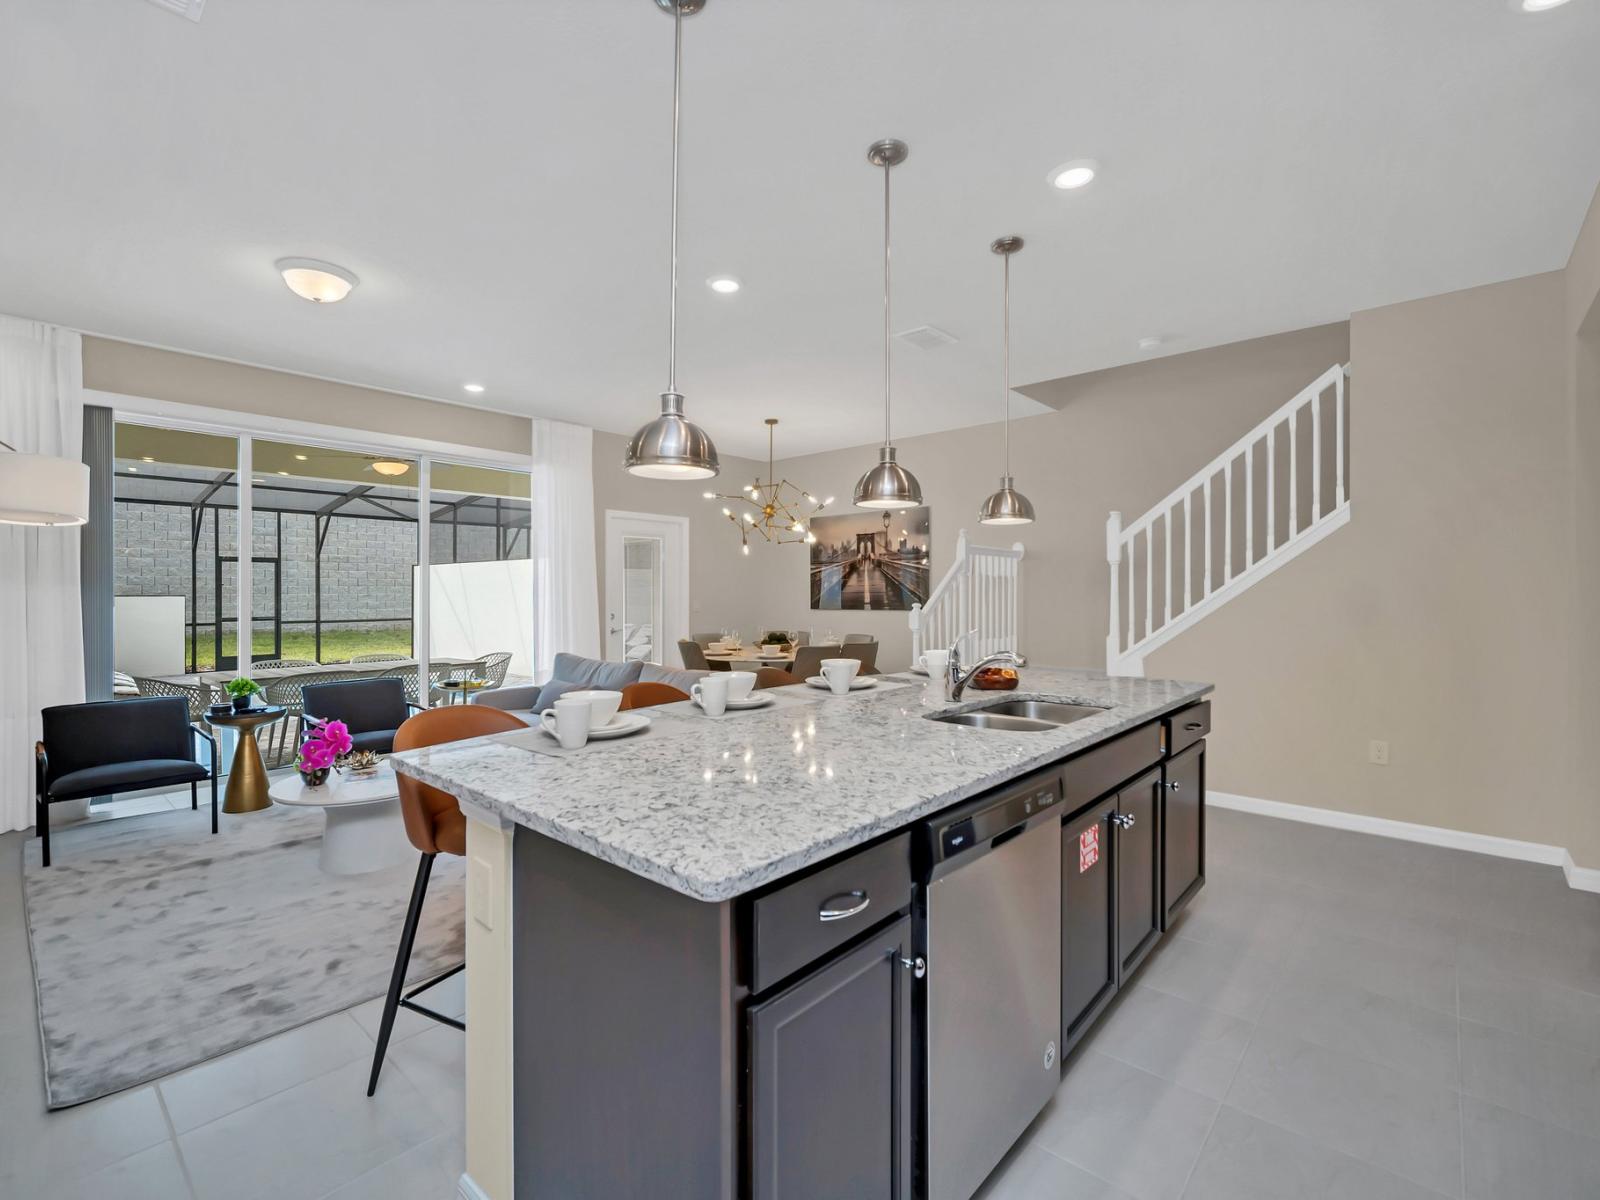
x,y
40,489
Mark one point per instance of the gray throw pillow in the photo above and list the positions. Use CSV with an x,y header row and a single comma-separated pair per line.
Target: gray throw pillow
x,y
554,690
595,672
682,680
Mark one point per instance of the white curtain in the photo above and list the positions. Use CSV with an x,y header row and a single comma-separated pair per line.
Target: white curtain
x,y
566,588
41,620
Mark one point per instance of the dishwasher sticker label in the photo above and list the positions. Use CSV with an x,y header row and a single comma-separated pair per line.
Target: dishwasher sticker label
x,y
1088,848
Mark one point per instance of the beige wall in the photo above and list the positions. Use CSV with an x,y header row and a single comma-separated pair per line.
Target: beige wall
x,y
1583,325
1437,620
131,370
719,575
1120,439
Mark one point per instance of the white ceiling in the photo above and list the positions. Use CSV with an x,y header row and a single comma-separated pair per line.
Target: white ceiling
x,y
496,173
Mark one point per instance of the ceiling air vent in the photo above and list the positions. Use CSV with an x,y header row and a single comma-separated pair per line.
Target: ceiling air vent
x,y
927,337
184,8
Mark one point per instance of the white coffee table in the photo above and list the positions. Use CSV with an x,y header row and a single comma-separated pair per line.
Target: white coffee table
x,y
364,829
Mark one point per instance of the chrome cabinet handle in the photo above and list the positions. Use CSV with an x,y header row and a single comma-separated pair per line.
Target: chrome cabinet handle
x,y
1173,785
918,966
1192,726
839,908
1123,820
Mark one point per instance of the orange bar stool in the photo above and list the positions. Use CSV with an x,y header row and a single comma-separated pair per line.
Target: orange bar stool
x,y
648,695
771,677
436,825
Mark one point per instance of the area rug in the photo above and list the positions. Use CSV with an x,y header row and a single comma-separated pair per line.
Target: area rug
x,y
157,946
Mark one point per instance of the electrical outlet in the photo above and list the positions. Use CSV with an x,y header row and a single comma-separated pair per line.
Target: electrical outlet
x,y
1378,752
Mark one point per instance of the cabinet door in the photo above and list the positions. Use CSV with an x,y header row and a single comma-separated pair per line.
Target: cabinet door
x,y
830,1079
1088,910
1138,862
1183,830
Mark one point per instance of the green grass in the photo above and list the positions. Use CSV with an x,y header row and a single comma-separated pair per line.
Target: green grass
x,y
338,645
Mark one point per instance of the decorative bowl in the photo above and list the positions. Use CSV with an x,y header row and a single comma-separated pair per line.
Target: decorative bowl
x,y
363,764
995,679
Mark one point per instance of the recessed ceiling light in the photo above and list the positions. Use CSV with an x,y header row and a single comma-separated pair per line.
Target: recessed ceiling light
x,y
147,458
474,388
301,457
1533,6
1150,341
1070,176
317,281
135,470
725,285
283,472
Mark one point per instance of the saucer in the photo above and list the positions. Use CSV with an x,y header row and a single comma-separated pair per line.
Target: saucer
x,y
619,726
856,684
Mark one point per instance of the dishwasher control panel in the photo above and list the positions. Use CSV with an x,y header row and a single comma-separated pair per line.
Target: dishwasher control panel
x,y
974,824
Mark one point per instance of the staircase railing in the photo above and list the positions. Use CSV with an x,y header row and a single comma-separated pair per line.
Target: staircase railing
x,y
1212,547
981,591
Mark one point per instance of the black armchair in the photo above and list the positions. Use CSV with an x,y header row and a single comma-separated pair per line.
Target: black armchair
x,y
112,746
372,709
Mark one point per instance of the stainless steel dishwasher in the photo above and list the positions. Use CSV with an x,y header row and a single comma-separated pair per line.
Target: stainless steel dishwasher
x,y
993,988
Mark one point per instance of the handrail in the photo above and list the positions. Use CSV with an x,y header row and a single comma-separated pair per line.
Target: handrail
x,y
982,590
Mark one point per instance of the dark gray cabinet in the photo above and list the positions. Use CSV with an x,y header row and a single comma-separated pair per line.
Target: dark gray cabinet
x,y
1088,913
1137,858
1183,827
831,1105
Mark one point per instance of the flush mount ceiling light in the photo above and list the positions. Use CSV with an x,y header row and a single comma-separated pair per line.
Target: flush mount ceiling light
x,y
887,485
1150,341
1007,506
1070,176
317,281
1535,6
390,466
41,489
723,285
671,446
474,388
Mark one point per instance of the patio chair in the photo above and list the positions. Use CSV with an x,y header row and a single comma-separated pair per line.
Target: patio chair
x,y
408,675
369,658
110,746
495,666
281,664
198,695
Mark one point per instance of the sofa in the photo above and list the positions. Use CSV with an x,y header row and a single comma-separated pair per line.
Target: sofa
x,y
573,673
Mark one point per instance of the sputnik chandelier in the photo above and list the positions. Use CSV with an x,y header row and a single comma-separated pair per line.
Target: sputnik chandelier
x,y
776,509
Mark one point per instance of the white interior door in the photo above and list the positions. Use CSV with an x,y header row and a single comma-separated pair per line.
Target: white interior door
x,y
647,586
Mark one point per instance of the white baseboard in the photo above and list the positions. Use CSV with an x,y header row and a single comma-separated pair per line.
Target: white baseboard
x,y
1585,879
468,1190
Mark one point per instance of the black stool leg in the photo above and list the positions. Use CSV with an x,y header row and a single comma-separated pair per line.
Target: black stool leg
x,y
213,798
402,960
41,818
194,797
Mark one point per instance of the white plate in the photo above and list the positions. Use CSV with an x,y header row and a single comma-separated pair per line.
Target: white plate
x,y
756,700
856,684
619,726
916,670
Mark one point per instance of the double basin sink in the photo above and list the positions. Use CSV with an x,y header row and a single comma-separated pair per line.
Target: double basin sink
x,y
1021,716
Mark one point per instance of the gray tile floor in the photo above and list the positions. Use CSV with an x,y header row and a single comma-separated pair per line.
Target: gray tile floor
x,y
1336,1016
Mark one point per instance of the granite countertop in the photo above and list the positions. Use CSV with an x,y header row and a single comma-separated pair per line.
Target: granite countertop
x,y
714,808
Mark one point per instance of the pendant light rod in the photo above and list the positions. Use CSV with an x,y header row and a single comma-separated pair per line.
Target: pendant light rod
x,y
1006,506
677,91
888,339
1006,396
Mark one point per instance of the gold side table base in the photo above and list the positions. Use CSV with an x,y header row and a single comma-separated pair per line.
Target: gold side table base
x,y
247,778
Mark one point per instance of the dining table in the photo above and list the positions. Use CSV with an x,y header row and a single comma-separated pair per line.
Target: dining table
x,y
268,674
748,658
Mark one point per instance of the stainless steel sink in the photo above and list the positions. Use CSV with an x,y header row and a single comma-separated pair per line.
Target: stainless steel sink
x,y
1021,716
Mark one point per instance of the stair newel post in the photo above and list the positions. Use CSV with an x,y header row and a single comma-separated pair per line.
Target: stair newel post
x,y
916,632
1114,561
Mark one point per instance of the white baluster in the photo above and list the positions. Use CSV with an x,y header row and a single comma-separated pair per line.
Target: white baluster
x,y
1316,457
1207,588
1166,520
1294,467
1227,521
1249,505
1133,630
1272,494
1149,578
1188,545
1338,439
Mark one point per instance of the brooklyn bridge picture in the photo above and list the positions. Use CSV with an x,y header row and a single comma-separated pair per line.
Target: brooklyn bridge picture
x,y
873,561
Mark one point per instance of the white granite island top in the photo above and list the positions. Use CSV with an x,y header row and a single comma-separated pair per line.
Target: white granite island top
x,y
714,808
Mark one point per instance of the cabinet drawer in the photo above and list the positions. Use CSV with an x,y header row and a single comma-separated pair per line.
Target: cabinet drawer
x,y
1098,771
802,921
1185,727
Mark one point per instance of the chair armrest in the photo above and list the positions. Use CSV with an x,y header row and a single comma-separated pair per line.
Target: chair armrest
x,y
216,762
521,696
41,767
415,708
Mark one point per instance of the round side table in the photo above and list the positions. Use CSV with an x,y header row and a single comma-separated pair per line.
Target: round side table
x,y
363,828
247,778
462,688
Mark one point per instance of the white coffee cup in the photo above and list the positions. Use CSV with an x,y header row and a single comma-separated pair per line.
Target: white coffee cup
x,y
839,672
602,705
569,720
711,693
740,684
934,662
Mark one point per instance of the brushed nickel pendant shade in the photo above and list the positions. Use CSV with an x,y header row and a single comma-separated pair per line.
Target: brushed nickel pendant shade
x,y
672,446
887,485
1007,506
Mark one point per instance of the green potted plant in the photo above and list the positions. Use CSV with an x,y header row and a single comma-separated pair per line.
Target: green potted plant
x,y
241,689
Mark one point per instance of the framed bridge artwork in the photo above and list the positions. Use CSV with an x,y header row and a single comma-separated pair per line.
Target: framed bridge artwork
x,y
870,561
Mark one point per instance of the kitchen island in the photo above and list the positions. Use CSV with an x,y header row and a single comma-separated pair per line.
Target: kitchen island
x,y
695,957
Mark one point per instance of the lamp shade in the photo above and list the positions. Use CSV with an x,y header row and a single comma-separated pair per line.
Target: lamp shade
x,y
1006,507
888,485
40,489
672,446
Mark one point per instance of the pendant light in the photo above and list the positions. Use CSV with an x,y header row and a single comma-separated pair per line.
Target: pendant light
x,y
42,489
887,485
671,446
1007,506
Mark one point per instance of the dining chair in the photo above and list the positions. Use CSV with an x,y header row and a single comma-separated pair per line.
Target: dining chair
x,y
851,639
648,695
435,825
802,637
705,639
693,655
866,652
808,659
771,677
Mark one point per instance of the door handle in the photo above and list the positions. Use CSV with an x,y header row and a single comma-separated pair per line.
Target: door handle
x,y
840,907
